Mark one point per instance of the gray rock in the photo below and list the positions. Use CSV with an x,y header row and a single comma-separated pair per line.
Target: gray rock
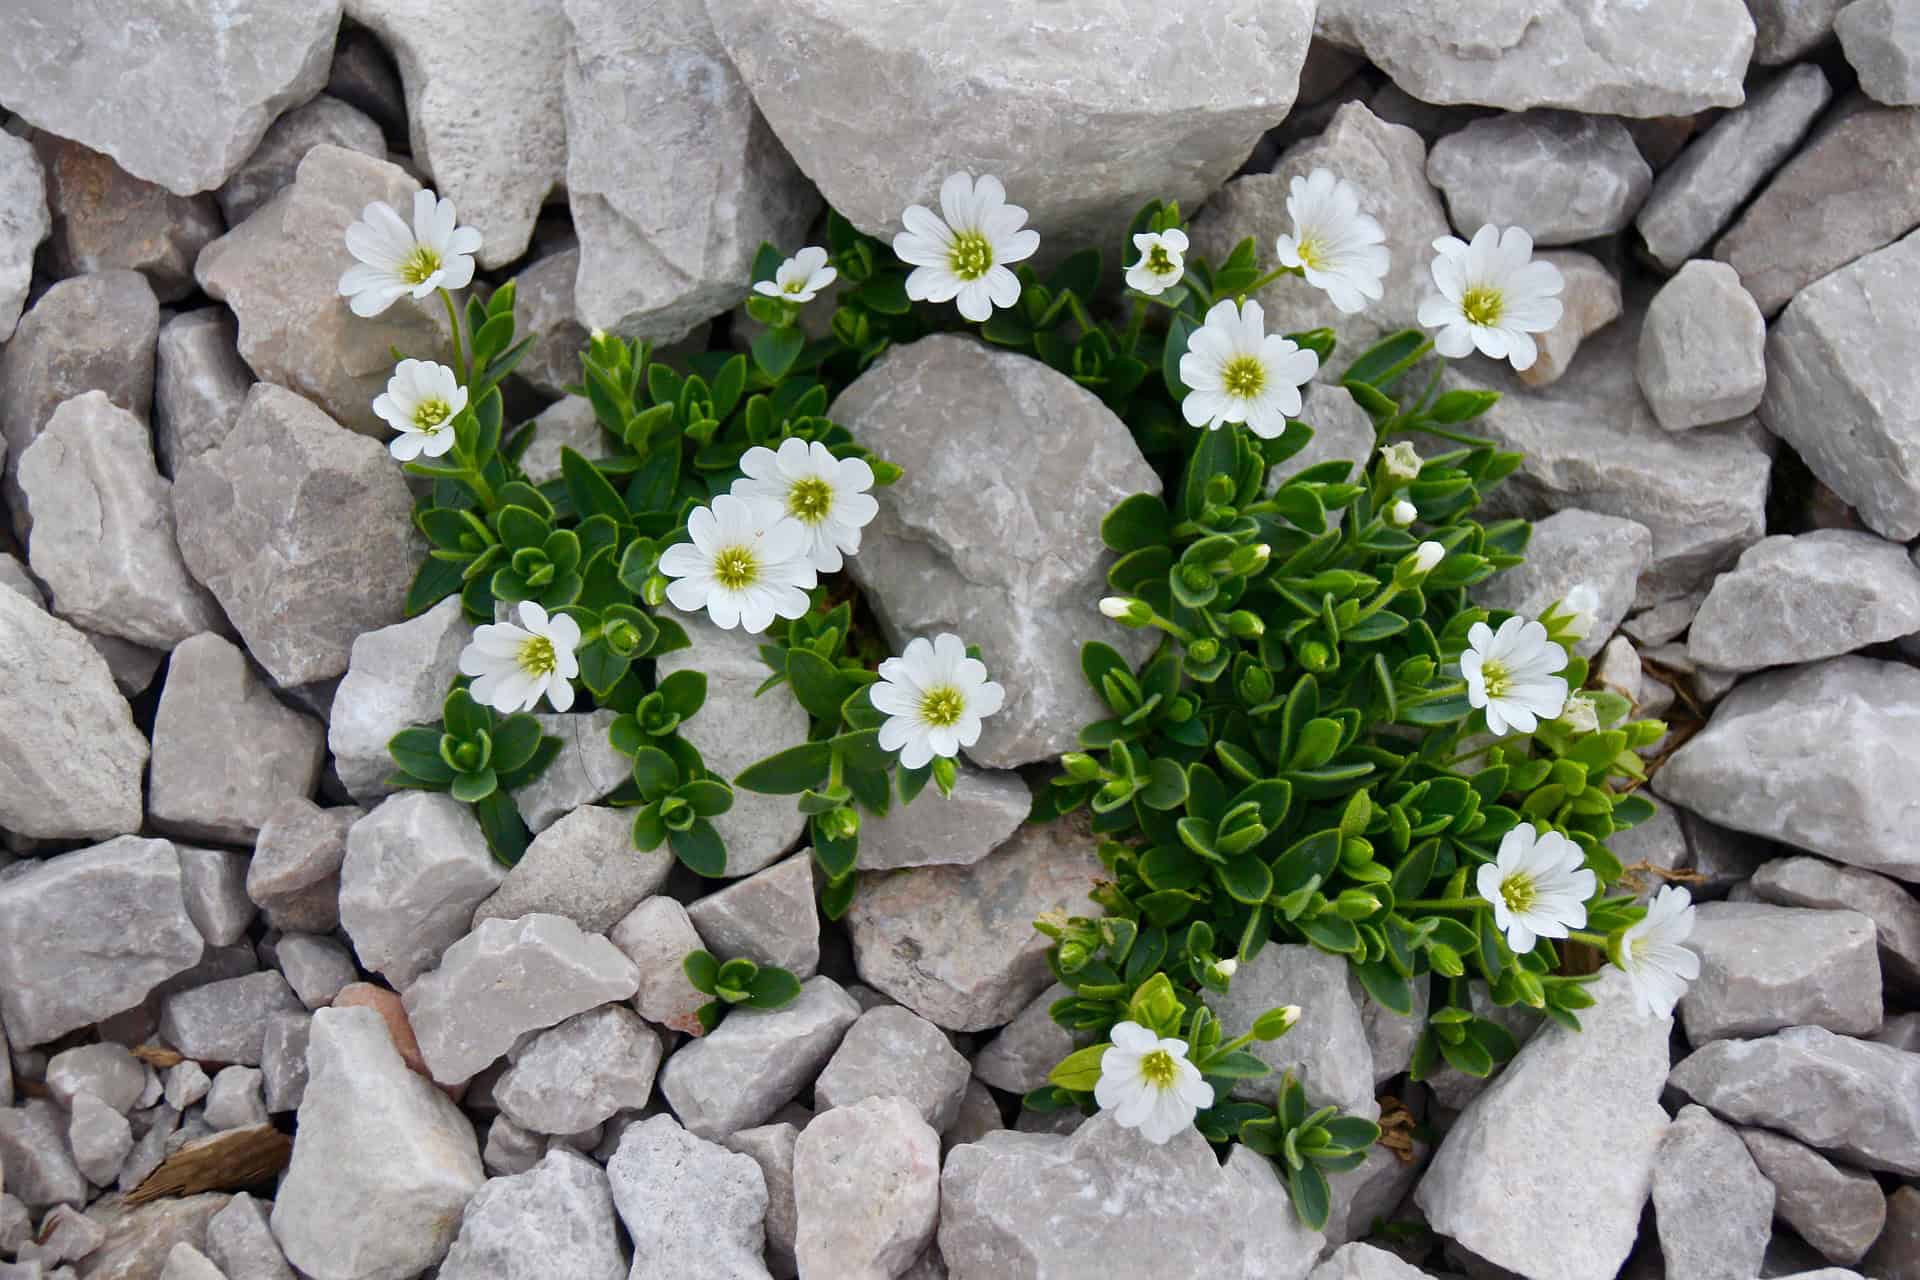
x,y
35,1162
301,530
1327,1049
543,308
579,1073
84,935
669,216
985,808
315,967
506,978
733,729
583,867
1812,756
1838,383
1573,1117
184,1262
979,1116
295,871
866,1189
1365,1262
891,1052
99,1137
1892,1258
107,1071
1659,842
1764,967
88,333
15,578
416,867
104,219
1882,41
756,1060
769,917
771,1146
1837,1210
656,936
1901,1030
1702,354
187,1083
1585,55
234,1101
510,1149
16,1224
1799,599
1851,1098
1813,882
214,882
325,120
1695,195
1390,1036
363,74
1713,1207
957,944
1372,1191
283,1060
23,194
586,769
1341,430
693,1208
397,676
1453,1087
280,272
65,1235
1027,1048
199,385
1024,1205
132,665
180,104
1574,548
1589,302
569,424
70,756
1785,29
1802,228
140,1238
1564,177
240,1242
922,565
383,1163
556,1219
225,1021
1158,132
226,752
483,107
150,1149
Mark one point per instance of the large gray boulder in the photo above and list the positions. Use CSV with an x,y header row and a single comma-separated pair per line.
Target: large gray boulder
x,y
1799,599
1565,177
992,439
1764,967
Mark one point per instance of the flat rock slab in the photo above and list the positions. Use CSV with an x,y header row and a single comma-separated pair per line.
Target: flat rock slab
x,y
1764,967
1565,177
1837,1210
756,1061
1794,599
226,1021
583,867
986,807
1815,882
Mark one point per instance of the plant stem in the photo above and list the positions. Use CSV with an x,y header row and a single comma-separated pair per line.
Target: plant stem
x,y
459,354
1446,904
1589,937
1136,324
1269,278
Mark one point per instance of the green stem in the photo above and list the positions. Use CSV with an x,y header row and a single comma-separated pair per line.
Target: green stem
x,y
1587,936
1445,904
475,481
1269,278
1136,324
459,353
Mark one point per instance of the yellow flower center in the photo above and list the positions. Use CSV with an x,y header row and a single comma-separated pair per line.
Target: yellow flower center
x,y
1244,376
419,265
537,656
809,500
1482,305
1496,677
1158,261
1310,252
795,286
736,568
942,706
1518,892
1159,1069
429,415
971,255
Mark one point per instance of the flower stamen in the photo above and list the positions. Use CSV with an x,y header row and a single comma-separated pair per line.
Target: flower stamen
x,y
1244,377
736,568
1159,1069
419,265
536,656
942,706
971,256
431,415
810,500
1482,305
1519,892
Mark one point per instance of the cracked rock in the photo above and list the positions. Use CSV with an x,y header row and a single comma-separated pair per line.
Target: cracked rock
x,y
892,1052
415,869
579,1073
769,918
1799,599
693,1208
756,1061
1702,354
397,676
1565,177
1572,548
866,1189
656,936
1837,1210
986,807
1713,1208
583,867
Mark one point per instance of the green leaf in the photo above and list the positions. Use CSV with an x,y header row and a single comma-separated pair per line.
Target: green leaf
x,y
500,822
417,752
433,582
1138,521
775,350
1312,1198
837,895
1079,1071
654,772
589,490
601,668
515,739
788,772
1237,1065
703,970
836,857
1380,362
707,797
1246,879
819,686
1166,785
1178,331
771,988
684,692
700,848
1386,986
471,788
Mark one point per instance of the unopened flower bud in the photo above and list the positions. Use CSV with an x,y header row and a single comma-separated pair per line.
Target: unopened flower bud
x,y
1249,560
1402,463
1446,961
1355,904
654,590
1581,715
1533,993
945,774
841,824
1402,513
1127,611
1204,650
1227,968
1079,764
1246,624
1579,607
1073,955
1418,563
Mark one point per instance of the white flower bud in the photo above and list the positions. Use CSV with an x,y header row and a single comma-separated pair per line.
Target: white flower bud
x,y
1580,605
1581,715
1228,967
1427,556
1401,514
1401,461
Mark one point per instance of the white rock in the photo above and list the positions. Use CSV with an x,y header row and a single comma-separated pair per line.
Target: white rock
x,y
1713,1207
1365,1262
295,871
416,867
316,968
583,867
579,1073
866,1187
1786,29
769,917
199,384
215,884
234,1101
1027,1048
771,1146
99,1137
656,936
756,1060
554,1220
693,1209
1564,177
23,194
987,806
1798,599
241,1243
397,676
1813,882
1573,548
1702,354
107,1071
586,770
35,1161
184,1262
1882,40
269,170
892,1052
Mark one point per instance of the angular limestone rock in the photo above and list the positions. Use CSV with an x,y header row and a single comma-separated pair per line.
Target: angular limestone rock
x,y
1573,548
1713,1207
656,936
985,808
556,1219
1563,176
587,768
295,871
226,1021
1837,1210
240,1241
579,1073
415,869
104,219
892,1052
199,385
756,1061
1702,354
771,1146
1814,882
1589,302
1327,1050
1882,41
769,918
325,120
1799,599
23,194
1764,967
866,1189
1027,1048
583,867
397,676
35,1160
543,309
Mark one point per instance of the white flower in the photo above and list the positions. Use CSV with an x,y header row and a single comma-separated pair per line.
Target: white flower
x,y
1579,607
514,666
1427,557
1581,715
1228,967
420,402
1492,296
1235,371
965,256
747,564
1402,513
825,495
1538,885
1161,262
397,260
934,697
1116,607
1401,460
1657,967
800,277
1510,673
1340,250
1148,1083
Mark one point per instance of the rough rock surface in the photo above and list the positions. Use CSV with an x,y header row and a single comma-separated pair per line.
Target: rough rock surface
x,y
199,385
1895,912
1084,119
769,918
1563,176
34,1159
1850,1098
1882,41
107,1071
556,1219
226,752
1365,1262
956,944
1764,967
893,1052
87,934
383,1163
579,1073
1713,1208
215,883
586,769
140,1238
656,936
415,869
316,968
1572,548
104,219
226,1021
1840,383
1785,29
985,808
1892,1256
294,873
240,1241
397,676
693,1208
280,272
180,102
23,194
1584,55
1837,1210
673,177
1799,599
70,756
325,120
866,1188
1027,1048
301,530
1813,756
1702,354
1589,301
771,1146
543,308
756,1061
1568,1132
583,867
1327,1049
990,438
